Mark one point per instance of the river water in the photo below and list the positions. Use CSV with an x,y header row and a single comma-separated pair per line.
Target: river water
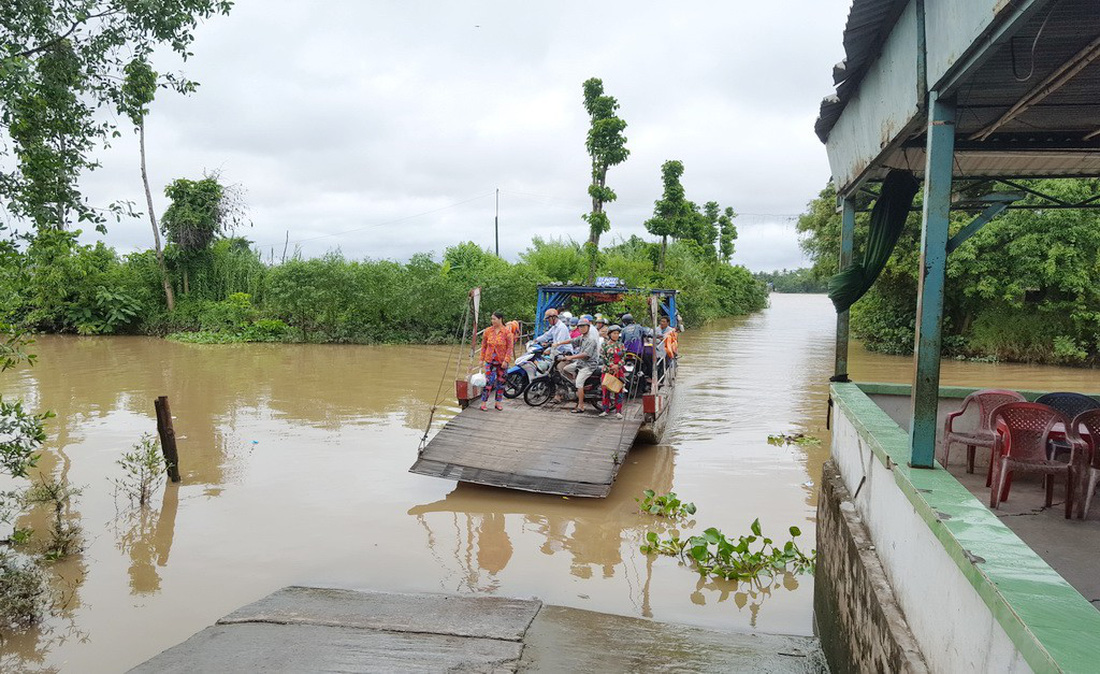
x,y
295,458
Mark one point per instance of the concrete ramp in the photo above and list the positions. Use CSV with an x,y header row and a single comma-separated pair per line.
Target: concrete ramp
x,y
301,629
540,449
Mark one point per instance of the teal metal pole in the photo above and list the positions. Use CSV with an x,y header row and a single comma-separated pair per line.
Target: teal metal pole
x,y
933,265
847,241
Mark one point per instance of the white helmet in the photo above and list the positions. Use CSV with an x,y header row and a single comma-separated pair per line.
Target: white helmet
x,y
565,315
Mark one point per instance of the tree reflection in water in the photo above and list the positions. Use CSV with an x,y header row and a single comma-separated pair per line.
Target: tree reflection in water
x,y
146,536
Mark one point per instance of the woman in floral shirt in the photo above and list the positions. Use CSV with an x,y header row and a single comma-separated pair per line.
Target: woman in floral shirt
x,y
611,358
496,352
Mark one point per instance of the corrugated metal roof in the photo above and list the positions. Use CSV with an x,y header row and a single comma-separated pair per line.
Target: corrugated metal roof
x,y
1057,135
869,23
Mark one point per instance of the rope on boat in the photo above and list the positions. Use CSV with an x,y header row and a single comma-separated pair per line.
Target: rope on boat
x,y
446,368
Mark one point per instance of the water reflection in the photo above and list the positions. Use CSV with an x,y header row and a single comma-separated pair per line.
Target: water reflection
x,y
295,461
591,532
145,535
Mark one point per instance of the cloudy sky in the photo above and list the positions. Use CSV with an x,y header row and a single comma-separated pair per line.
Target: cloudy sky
x,y
384,128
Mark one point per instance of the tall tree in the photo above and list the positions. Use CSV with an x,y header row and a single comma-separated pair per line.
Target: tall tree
x,y
606,145
138,91
672,213
727,234
707,235
61,65
201,210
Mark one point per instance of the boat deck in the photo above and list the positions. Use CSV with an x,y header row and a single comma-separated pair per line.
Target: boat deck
x,y
540,449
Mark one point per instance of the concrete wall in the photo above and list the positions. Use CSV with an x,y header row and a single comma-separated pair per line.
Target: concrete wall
x,y
955,630
861,626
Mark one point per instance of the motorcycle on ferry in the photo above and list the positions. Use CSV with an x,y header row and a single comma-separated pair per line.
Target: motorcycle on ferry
x,y
544,387
534,363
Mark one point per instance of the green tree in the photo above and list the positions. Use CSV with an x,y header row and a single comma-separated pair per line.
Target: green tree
x,y
200,211
61,65
138,90
1025,288
727,234
707,234
673,214
606,145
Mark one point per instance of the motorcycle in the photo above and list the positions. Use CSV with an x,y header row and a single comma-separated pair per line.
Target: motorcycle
x,y
543,388
532,364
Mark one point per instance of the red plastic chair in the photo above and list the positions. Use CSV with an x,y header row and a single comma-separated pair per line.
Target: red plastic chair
x,y
1021,445
982,436
1089,446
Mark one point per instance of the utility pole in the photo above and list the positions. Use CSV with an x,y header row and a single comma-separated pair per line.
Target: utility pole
x,y
496,224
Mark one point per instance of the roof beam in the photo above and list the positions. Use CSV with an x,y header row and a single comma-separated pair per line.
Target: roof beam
x,y
1053,82
983,49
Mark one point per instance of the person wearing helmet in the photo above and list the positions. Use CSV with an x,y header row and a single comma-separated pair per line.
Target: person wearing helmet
x,y
601,329
612,355
579,366
557,333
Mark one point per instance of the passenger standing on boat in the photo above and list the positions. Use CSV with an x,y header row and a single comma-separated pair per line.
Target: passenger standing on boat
x,y
578,367
496,352
634,334
612,354
663,327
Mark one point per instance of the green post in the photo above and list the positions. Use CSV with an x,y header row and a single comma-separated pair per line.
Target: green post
x,y
933,265
847,238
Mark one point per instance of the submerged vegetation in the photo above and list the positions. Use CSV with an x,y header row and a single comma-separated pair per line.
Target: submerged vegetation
x,y
143,470
1025,287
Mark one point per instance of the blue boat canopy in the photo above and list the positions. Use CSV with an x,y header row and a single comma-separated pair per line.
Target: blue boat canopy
x,y
606,290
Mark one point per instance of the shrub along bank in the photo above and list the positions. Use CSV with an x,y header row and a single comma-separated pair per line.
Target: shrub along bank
x,y
54,284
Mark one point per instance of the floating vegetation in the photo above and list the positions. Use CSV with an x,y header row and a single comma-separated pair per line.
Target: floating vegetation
x,y
664,505
802,439
744,558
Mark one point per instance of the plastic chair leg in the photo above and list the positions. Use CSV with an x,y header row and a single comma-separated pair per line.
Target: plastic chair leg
x,y
970,450
997,476
1069,491
1006,482
1048,482
1094,477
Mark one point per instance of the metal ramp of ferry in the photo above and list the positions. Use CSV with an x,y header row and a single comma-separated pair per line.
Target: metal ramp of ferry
x,y
538,449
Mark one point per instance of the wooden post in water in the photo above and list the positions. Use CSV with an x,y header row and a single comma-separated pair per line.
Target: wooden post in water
x,y
167,437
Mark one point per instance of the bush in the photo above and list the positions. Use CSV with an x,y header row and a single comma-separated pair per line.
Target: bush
x,y
235,298
24,592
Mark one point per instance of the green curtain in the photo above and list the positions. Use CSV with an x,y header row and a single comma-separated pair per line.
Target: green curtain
x,y
887,222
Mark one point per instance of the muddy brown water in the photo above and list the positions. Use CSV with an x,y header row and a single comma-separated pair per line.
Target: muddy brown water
x,y
295,459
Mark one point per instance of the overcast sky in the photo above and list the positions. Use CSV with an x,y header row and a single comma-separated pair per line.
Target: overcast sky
x,y
383,128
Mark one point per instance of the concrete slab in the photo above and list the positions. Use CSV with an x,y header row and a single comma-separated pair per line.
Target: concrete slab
x,y
1068,546
481,617
327,630
255,647
571,640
